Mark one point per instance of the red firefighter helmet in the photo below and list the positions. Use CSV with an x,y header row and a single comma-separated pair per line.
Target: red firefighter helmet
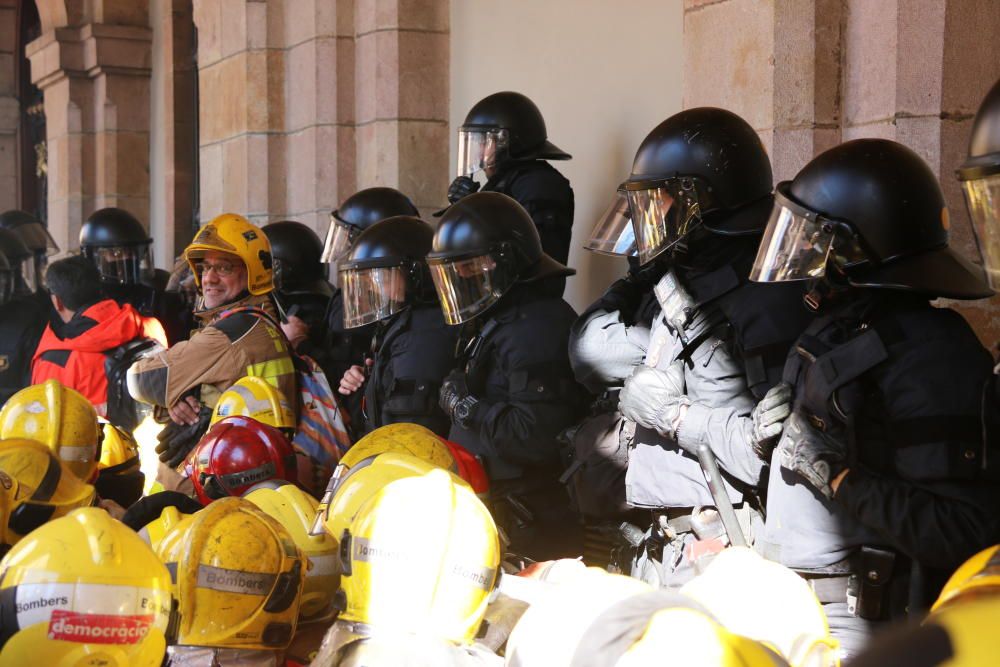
x,y
469,468
238,453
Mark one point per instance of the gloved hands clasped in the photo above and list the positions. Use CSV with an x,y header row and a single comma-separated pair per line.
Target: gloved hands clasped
x,y
811,453
655,398
455,398
177,440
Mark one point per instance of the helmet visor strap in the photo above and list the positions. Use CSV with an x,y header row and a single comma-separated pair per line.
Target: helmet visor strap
x,y
372,294
479,148
613,234
663,213
982,196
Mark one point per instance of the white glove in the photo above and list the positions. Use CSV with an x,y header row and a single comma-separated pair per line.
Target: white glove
x,y
654,398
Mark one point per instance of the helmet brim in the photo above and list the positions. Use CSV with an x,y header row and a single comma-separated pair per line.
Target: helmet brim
x,y
940,273
545,267
317,287
546,151
744,221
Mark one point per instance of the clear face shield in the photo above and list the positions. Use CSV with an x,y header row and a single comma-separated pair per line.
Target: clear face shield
x,y
124,265
613,234
25,276
663,212
372,294
798,244
983,198
338,239
466,287
481,149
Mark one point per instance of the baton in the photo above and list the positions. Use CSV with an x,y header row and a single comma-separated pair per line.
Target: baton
x,y
710,468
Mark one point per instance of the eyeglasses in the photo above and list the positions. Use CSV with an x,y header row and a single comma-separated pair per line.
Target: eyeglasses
x,y
222,269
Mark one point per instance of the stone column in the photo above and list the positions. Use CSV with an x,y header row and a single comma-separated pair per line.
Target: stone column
x,y
402,53
95,79
9,109
241,108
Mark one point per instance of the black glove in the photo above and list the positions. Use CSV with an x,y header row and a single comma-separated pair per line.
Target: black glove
x,y
463,186
816,456
177,440
455,399
453,389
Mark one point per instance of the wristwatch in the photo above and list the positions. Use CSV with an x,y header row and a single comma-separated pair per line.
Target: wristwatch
x,y
463,410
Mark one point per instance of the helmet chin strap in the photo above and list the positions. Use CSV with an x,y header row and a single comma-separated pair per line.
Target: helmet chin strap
x,y
830,287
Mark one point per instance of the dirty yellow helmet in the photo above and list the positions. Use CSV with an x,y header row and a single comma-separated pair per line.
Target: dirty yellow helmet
x,y
88,592
238,577
421,557
58,417
157,529
412,439
364,481
38,487
235,235
977,577
765,601
258,399
294,509
691,637
118,475
961,635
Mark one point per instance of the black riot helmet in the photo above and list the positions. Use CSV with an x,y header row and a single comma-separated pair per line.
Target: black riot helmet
x,y
504,126
359,212
484,244
386,270
119,246
21,261
36,237
980,177
875,210
6,280
700,167
297,251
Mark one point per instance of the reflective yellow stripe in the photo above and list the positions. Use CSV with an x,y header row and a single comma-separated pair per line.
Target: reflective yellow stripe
x,y
272,369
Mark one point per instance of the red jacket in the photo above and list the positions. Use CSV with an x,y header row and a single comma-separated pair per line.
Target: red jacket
x,y
75,355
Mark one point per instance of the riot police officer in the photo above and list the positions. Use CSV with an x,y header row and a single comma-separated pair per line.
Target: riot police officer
x,y
385,280
301,287
504,136
881,483
349,347
36,237
980,178
698,196
121,249
23,315
513,391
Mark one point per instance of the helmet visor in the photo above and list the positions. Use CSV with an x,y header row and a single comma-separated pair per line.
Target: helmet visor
x,y
26,278
372,294
338,240
467,287
124,265
613,234
479,148
983,198
796,244
37,237
663,213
